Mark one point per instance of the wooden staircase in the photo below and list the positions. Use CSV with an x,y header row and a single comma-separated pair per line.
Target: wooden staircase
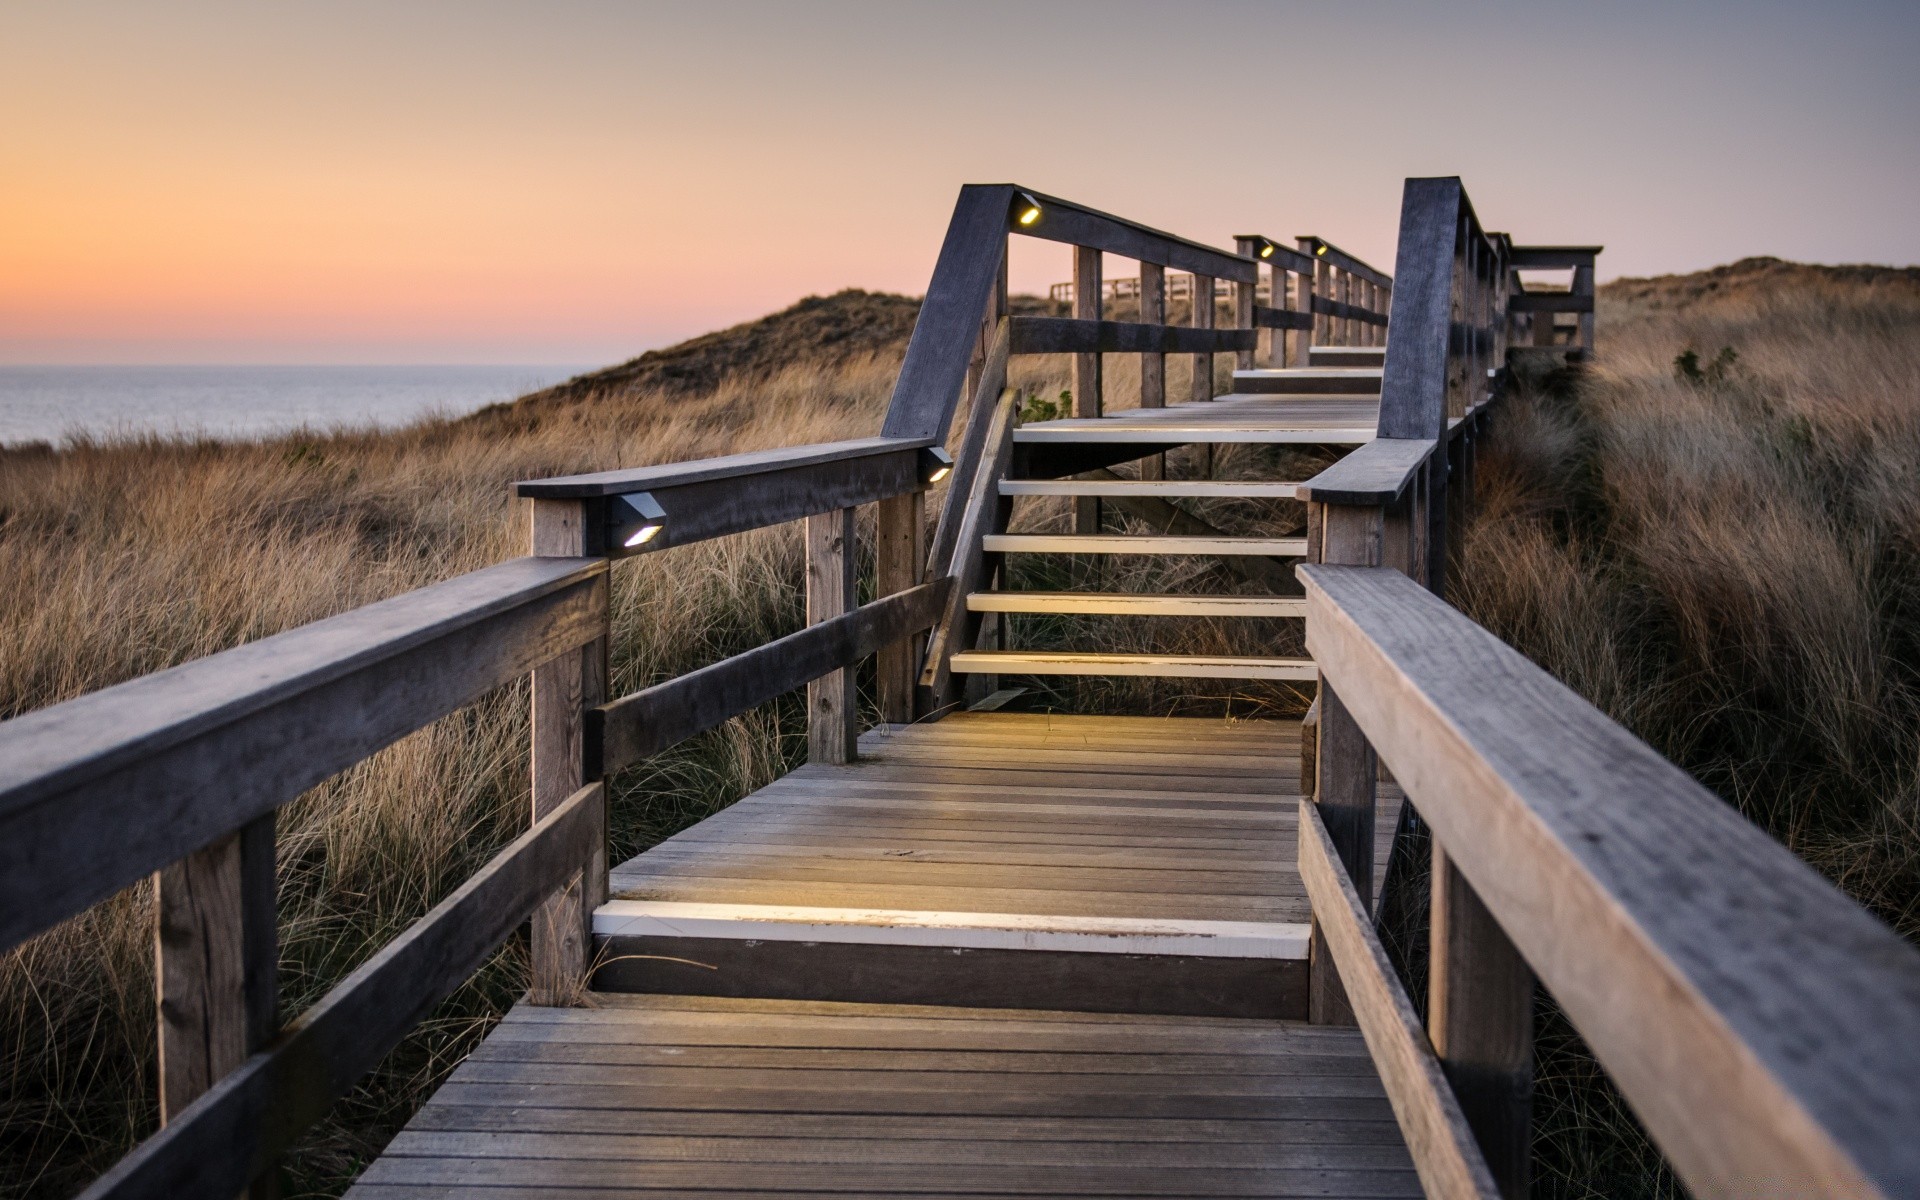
x,y
1329,403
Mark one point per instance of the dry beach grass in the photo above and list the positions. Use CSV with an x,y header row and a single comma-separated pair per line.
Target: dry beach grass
x,y
1730,567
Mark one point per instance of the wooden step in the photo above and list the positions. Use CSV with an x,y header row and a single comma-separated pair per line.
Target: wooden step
x,y
1309,381
1115,543
1347,356
1228,488
1169,666
1264,429
1124,604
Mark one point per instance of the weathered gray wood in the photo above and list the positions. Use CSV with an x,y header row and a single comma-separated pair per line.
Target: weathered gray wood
x,y
1437,1133
1202,318
1087,398
984,512
1480,1019
233,1132
1549,302
1062,221
1153,365
967,455
666,477
216,961
1583,289
1281,318
1765,1028
1243,304
1536,258
965,278
899,554
833,722
1374,474
648,721
1413,390
562,690
123,782
1345,311
1321,250
1086,339
1301,352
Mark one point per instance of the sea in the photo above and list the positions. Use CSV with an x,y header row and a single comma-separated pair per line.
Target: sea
x,y
56,404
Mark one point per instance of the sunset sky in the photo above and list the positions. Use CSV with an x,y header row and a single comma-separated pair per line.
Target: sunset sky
x,y
574,182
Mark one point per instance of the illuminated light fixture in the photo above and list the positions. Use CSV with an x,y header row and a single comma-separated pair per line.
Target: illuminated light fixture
x,y
1320,249
634,519
1267,247
1026,209
935,464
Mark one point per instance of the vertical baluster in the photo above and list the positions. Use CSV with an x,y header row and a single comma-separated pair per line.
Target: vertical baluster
x,y
1202,385
833,726
1086,369
1153,367
899,558
1583,286
563,689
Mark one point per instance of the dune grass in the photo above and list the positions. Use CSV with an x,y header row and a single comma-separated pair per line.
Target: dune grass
x,y
1727,566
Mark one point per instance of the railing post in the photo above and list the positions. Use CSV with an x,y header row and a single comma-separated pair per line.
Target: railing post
x,y
1086,369
1345,769
216,960
1583,286
564,688
1244,297
1202,318
1480,1020
1153,367
899,558
1301,340
832,722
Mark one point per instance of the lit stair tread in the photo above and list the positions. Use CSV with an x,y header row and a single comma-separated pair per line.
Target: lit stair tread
x,y
1171,666
1147,487
1274,430
1311,372
1122,603
1115,543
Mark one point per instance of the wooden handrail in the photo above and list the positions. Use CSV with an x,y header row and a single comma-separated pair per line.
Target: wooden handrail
x,y
1379,472
234,1132
646,722
105,789
1327,252
1765,1028
1064,221
1065,335
715,497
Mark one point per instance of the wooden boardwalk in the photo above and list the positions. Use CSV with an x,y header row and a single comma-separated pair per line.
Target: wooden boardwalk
x,y
661,1096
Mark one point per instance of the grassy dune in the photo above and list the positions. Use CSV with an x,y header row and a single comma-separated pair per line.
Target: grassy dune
x,y
1727,566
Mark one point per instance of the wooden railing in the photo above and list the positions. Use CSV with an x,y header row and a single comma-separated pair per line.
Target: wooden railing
x,y
179,775
1765,1029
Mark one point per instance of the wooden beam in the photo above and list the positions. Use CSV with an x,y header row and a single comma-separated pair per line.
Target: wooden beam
x,y
562,690
1413,386
1480,1019
1764,1027
833,719
1321,250
1202,318
641,725
965,276
1281,318
899,558
123,782
1063,221
983,512
1536,258
1437,1133
1549,302
216,962
1087,296
1378,472
1087,339
967,455
1153,364
235,1131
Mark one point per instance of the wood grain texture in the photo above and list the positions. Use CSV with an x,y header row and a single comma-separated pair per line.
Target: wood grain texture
x,y
833,722
1374,474
216,962
1480,1020
1438,1137
229,1135
968,454
921,1101
561,690
1088,337
1063,221
983,512
1202,318
965,279
1413,391
899,558
1764,1027
668,477
1320,250
132,778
